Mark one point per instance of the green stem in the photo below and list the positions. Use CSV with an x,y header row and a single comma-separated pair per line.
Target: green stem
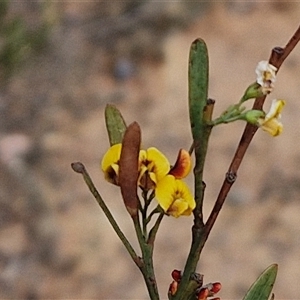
x,y
200,109
147,255
154,229
146,263
198,238
79,168
232,114
156,210
148,273
146,219
226,120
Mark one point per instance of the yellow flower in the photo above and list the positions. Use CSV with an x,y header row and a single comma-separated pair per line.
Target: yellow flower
x,y
174,197
266,76
271,122
110,163
153,167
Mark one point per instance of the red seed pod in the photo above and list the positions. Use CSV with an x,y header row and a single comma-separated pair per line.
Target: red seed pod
x,y
176,275
203,294
216,286
173,288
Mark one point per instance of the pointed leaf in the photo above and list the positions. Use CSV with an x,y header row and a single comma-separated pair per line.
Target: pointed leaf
x,y
261,289
128,167
115,124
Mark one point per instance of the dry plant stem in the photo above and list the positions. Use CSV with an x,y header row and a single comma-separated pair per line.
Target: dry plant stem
x,y
277,57
78,167
288,49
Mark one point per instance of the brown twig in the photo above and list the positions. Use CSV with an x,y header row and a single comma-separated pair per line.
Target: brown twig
x,y
278,55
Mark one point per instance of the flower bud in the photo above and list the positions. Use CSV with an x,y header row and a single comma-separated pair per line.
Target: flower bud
x,y
216,287
176,275
253,91
252,116
173,288
203,294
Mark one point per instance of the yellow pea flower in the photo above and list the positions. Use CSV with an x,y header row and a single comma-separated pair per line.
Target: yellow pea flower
x,y
153,167
110,163
174,197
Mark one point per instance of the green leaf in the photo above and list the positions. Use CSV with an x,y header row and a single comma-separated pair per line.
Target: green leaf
x,y
115,124
198,86
262,287
198,107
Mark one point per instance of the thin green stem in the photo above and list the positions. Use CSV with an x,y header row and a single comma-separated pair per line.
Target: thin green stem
x,y
224,120
80,168
147,255
148,272
156,210
146,264
138,230
154,229
144,210
233,113
198,228
187,286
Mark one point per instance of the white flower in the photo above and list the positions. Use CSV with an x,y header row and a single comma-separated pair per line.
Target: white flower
x,y
266,76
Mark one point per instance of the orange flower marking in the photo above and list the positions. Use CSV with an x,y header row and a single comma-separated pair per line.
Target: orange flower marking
x,y
182,166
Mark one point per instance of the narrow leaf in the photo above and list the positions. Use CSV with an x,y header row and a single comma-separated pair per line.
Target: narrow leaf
x,y
198,86
261,289
115,124
198,103
128,167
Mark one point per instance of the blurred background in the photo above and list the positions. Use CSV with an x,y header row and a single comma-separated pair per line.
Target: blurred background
x,y
60,63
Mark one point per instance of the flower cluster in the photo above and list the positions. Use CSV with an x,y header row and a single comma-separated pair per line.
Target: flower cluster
x,y
209,290
156,173
269,122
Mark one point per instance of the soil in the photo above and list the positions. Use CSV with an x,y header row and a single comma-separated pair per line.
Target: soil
x,y
55,242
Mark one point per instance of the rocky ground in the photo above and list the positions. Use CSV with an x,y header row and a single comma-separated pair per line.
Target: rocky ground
x,y
55,242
